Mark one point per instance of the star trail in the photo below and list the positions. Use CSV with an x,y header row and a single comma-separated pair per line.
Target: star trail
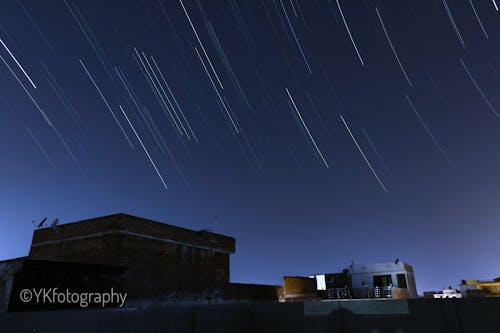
x,y
347,129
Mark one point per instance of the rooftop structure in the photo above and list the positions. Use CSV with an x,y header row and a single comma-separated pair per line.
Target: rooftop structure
x,y
334,285
447,293
160,258
476,288
383,280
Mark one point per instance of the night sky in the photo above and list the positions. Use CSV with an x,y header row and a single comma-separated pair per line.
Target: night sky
x,y
314,132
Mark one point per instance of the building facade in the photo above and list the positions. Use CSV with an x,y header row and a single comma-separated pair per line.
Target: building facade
x,y
159,258
334,285
476,288
383,280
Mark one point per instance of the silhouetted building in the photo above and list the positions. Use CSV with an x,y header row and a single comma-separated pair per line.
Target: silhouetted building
x,y
8,269
49,275
160,259
144,258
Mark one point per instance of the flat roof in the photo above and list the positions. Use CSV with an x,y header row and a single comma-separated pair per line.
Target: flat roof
x,y
133,226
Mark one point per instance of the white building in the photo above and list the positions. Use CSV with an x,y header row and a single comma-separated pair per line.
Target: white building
x,y
383,280
448,293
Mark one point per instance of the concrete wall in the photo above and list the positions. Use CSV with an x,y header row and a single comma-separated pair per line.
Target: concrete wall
x,y
370,316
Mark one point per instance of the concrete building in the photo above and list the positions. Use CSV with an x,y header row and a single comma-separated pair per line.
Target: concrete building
x,y
334,285
383,280
476,288
148,259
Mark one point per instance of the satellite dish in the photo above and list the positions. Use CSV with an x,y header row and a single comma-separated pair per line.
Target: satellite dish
x,y
41,223
397,261
54,223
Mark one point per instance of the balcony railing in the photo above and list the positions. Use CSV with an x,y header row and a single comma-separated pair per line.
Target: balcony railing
x,y
336,293
383,292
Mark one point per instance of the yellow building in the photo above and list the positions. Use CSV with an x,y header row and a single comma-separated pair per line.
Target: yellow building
x,y
476,288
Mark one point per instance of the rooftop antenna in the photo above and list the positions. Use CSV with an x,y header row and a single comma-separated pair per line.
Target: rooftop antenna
x,y
40,224
54,223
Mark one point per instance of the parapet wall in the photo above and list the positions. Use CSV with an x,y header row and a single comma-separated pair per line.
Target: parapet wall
x,y
408,316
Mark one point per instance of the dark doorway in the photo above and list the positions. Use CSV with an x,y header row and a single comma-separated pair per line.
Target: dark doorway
x,y
382,280
402,281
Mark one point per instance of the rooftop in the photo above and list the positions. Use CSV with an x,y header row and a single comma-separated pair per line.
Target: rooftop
x,y
135,226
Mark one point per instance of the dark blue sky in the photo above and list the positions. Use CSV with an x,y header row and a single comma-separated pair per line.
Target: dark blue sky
x,y
287,181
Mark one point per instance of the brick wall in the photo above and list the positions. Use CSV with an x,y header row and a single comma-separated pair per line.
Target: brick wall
x,y
160,258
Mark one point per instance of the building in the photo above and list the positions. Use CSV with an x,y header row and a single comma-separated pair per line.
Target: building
x,y
476,288
383,280
8,269
334,285
147,259
40,274
160,259
447,293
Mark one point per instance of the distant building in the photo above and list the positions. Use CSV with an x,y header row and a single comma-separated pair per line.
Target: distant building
x,y
447,293
383,280
476,288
